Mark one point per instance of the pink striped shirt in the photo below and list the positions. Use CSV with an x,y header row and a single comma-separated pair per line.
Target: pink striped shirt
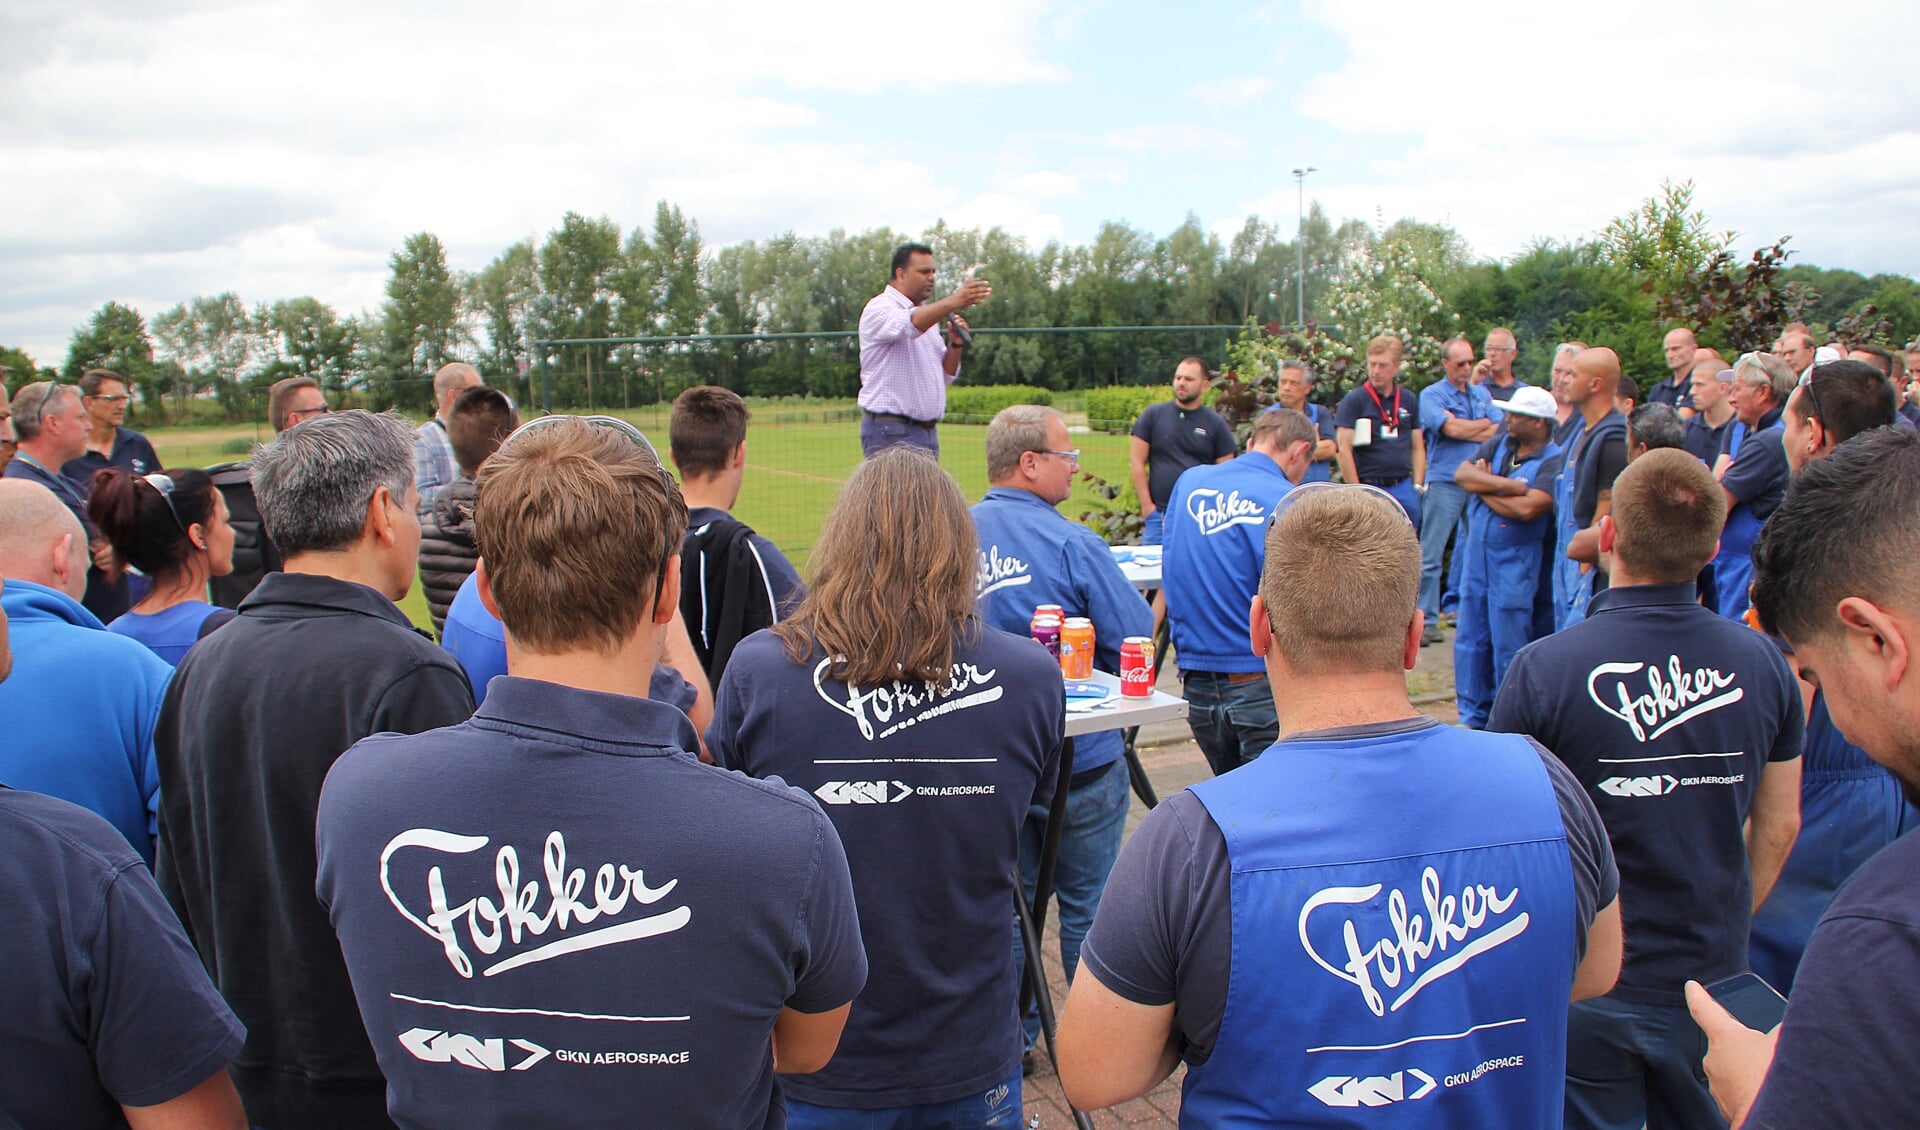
x,y
900,367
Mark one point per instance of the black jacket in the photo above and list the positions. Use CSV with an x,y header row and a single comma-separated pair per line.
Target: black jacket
x,y
254,718
447,552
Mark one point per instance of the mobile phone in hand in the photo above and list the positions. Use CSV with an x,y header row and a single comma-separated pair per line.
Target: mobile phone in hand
x,y
1751,1000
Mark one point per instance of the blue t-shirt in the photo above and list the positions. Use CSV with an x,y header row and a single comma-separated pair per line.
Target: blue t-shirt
x,y
170,632
1843,1057
1320,470
106,1003
1759,473
1438,399
1030,555
1216,545
928,786
554,915
80,709
1394,416
1504,393
1668,714
479,642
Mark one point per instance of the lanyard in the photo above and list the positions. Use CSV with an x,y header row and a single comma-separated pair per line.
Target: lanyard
x,y
56,480
1382,408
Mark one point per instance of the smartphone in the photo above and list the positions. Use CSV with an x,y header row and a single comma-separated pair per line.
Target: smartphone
x,y
1751,1000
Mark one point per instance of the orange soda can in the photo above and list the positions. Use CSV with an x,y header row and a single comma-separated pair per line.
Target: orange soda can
x,y
1076,648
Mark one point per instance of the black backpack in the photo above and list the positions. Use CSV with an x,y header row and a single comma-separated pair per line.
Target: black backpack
x,y
254,554
724,594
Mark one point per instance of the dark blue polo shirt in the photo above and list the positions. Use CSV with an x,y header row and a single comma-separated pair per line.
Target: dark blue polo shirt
x,y
1179,438
1389,456
131,453
1668,714
554,907
928,786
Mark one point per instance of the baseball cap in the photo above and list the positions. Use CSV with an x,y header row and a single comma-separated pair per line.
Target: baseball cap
x,y
1530,401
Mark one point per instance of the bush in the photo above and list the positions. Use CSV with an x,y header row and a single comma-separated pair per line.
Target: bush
x,y
1115,409
978,403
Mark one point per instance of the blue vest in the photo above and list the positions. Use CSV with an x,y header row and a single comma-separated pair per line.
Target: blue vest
x,y
1318,471
1572,588
1733,565
1403,937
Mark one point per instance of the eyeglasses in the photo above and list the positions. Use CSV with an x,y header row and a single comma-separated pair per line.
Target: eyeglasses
x,y
1500,349
118,398
1072,457
164,484
1813,398
1314,490
40,410
295,415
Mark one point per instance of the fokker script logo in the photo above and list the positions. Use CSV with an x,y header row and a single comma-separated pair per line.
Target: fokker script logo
x,y
897,705
1653,702
999,571
1215,511
1468,924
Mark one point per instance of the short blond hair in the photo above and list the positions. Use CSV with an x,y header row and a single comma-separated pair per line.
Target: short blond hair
x,y
1341,582
576,524
1386,343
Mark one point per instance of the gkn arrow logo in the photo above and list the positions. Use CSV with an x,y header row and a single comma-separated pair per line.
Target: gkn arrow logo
x,y
1374,1090
434,1046
863,792
1658,785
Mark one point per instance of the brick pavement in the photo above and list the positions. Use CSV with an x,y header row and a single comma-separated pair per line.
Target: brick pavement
x,y
1173,762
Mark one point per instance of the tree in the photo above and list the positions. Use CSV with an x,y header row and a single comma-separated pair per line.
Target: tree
x,y
17,369
313,341
1383,286
578,266
114,338
420,321
1739,307
1665,242
501,297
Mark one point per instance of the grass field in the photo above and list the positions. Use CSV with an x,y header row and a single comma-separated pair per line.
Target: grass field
x,y
796,460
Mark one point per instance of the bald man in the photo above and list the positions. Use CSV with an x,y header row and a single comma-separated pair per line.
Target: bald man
x,y
1595,457
1677,389
433,463
82,702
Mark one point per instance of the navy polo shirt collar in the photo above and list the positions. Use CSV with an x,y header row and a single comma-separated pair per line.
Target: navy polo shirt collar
x,y
317,591
1644,596
594,720
1015,494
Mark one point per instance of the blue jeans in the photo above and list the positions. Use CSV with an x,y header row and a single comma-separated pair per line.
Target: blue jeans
x,y
1155,522
1232,723
1090,842
877,434
1632,1065
1439,517
996,1108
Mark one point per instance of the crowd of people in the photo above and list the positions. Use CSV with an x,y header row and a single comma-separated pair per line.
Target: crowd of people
x,y
657,834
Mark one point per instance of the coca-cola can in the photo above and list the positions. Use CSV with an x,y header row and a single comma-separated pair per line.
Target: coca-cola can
x,y
1136,666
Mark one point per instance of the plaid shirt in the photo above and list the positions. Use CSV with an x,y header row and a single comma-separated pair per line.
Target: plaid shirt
x,y
433,466
900,367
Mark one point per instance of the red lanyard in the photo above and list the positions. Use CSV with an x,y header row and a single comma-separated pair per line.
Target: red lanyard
x,y
1382,408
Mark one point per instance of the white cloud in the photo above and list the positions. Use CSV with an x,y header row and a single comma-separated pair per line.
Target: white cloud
x,y
1520,120
280,148
1233,93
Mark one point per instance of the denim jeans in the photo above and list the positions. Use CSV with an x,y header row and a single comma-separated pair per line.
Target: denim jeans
x,y
1631,1065
1090,842
876,435
1439,518
1154,523
1233,723
996,1108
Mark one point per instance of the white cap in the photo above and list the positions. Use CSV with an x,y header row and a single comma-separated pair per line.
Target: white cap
x,y
1531,401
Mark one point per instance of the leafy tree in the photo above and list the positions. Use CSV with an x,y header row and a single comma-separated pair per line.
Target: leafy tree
x,y
501,297
114,338
17,369
1665,242
578,268
312,340
1741,307
1385,286
419,322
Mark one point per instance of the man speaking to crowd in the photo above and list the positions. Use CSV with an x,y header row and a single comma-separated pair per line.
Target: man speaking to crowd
x,y
905,366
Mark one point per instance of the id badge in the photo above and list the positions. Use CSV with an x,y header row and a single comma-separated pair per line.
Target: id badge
x,y
1389,433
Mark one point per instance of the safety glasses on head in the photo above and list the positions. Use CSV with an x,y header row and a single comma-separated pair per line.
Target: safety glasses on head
x,y
164,485
612,424
1314,490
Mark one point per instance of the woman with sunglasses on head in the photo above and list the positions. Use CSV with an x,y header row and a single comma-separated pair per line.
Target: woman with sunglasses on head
x,y
172,526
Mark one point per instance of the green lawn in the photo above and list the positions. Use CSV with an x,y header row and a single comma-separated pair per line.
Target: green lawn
x,y
796,459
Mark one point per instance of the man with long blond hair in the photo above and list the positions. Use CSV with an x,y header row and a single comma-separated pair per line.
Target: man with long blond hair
x,y
553,914
927,735
1380,909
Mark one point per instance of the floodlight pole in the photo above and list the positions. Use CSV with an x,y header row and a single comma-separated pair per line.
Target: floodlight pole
x,y
1300,244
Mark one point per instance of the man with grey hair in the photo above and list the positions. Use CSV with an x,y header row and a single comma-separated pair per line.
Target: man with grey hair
x,y
51,423
1031,554
1294,384
1795,347
81,705
1754,472
1566,409
318,658
433,463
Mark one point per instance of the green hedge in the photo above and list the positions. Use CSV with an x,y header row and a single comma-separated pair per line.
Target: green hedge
x,y
1115,409
978,403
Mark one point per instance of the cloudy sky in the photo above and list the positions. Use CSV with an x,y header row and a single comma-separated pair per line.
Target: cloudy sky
x,y
159,149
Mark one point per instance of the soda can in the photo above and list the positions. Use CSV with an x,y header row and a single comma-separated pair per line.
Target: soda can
x,y
1053,610
1046,630
1136,666
1076,648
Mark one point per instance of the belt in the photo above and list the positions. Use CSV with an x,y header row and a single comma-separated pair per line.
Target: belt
x,y
899,417
1087,777
1388,483
1234,678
